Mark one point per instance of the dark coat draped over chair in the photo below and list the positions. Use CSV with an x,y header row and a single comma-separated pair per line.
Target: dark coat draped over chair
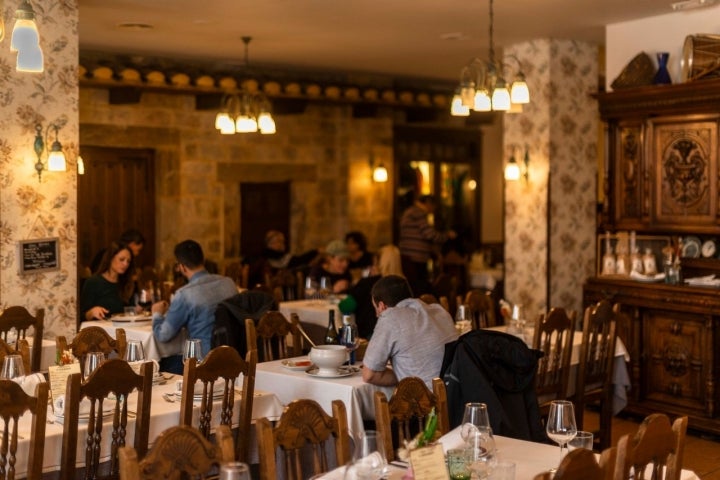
x,y
230,317
499,370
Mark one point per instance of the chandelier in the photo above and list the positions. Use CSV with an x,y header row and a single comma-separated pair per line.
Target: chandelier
x,y
482,83
245,111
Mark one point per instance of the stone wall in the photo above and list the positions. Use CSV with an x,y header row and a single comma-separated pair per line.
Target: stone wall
x,y
324,152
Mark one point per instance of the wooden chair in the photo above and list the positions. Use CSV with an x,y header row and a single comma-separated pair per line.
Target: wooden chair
x,y
595,370
428,298
224,363
93,339
580,464
21,348
239,273
446,286
272,330
289,284
482,308
302,423
407,410
179,450
19,319
554,337
113,376
14,403
657,444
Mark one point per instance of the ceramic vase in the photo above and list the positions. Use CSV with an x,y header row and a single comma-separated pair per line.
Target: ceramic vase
x,y
662,76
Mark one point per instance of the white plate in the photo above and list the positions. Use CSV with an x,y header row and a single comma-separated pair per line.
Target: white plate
x,y
130,318
344,371
296,365
709,249
691,247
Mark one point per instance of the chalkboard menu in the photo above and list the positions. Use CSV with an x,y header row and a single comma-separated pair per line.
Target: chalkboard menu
x,y
41,255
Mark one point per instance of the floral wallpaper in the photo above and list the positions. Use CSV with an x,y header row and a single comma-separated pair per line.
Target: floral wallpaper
x,y
32,208
550,220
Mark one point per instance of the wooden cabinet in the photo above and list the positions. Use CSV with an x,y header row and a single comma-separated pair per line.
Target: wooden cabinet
x,y
671,334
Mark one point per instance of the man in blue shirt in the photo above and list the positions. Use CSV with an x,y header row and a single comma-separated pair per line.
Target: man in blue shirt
x,y
193,306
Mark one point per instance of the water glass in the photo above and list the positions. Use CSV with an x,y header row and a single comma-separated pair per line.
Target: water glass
x,y
475,420
458,460
12,367
234,471
369,460
134,352
504,470
92,361
193,349
582,439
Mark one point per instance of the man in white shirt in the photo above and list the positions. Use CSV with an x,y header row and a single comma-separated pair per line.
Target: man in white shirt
x,y
409,333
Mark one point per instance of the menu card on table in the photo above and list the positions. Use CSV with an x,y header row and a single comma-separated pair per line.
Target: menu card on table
x,y
428,463
58,375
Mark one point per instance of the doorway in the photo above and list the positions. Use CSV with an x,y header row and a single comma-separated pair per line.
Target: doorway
x,y
263,206
116,193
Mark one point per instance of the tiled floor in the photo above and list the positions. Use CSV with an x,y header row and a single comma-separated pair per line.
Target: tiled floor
x,y
702,452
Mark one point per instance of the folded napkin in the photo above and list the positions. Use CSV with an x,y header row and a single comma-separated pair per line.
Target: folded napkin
x,y
708,280
84,410
217,387
29,382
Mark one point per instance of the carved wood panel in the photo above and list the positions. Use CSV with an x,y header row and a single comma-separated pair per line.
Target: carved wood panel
x,y
676,369
685,178
631,201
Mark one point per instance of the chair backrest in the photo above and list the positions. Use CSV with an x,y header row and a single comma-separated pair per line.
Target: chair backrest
x,y
93,339
14,403
657,444
21,348
482,308
407,410
178,450
288,283
554,337
112,376
303,422
269,336
580,464
446,286
19,319
224,363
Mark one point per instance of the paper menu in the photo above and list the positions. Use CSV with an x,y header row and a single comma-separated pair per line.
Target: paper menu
x,y
58,374
428,463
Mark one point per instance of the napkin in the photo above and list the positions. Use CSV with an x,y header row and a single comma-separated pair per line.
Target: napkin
x,y
59,406
709,280
29,382
217,387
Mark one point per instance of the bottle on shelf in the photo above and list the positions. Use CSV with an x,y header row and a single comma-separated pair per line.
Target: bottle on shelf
x,y
331,335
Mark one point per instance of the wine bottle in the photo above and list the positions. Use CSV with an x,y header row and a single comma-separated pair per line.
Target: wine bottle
x,y
331,335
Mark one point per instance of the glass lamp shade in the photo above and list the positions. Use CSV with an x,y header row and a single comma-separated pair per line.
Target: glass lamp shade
x,y
501,98
30,60
80,166
457,109
24,35
56,160
223,119
482,101
519,92
380,174
512,170
245,124
266,123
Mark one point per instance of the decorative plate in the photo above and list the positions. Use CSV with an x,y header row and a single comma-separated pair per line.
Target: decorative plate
x,y
709,249
691,247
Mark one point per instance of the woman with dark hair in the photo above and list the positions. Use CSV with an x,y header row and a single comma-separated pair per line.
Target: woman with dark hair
x,y
108,291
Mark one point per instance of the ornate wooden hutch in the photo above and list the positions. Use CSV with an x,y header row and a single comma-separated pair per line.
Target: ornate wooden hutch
x,y
661,178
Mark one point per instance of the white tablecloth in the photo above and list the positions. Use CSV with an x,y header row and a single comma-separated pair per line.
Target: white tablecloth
x,y
163,415
313,315
530,458
142,331
48,355
291,385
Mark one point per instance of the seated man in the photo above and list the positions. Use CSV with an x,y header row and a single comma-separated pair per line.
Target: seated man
x,y
193,305
409,333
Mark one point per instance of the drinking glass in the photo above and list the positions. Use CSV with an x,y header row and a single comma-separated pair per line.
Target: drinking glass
x,y
475,420
92,361
193,349
12,367
561,426
310,288
482,453
369,460
458,461
463,320
581,440
146,297
325,287
234,471
134,352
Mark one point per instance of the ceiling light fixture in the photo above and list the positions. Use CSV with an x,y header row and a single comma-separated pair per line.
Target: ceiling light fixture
x,y
482,83
690,4
25,40
245,111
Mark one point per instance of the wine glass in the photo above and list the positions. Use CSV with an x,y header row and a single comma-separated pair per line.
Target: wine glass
x,y
561,426
12,367
310,288
146,297
369,460
325,287
193,349
134,352
475,420
92,361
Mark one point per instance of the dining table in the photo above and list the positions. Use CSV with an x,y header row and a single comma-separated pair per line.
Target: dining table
x,y
139,327
290,382
164,413
48,354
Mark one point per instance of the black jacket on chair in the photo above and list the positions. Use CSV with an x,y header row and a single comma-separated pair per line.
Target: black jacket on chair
x,y
230,315
499,370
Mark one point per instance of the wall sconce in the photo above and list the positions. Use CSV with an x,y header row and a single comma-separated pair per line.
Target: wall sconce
x,y
379,172
80,166
513,170
56,157
25,40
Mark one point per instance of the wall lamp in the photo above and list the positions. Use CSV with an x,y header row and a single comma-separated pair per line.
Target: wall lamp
x,y
55,156
379,172
513,169
25,40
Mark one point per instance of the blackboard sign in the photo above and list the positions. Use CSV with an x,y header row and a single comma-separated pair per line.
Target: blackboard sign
x,y
41,255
